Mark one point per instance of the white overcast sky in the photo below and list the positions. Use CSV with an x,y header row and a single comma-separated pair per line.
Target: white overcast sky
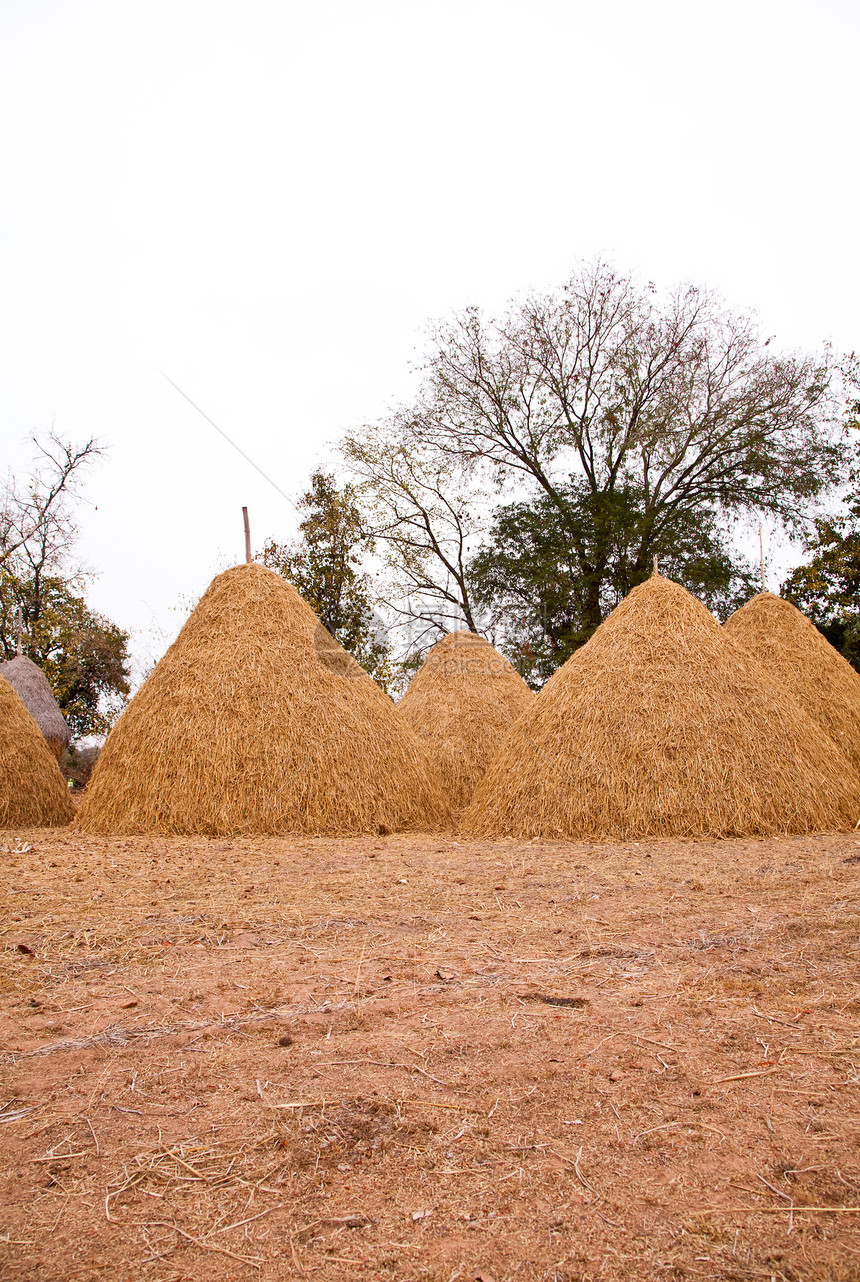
x,y
268,200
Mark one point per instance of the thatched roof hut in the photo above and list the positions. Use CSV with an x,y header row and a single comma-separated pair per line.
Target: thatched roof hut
x,y
792,649
460,703
660,726
33,793
33,688
257,721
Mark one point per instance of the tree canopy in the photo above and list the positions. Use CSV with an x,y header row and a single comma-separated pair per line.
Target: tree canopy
x,y
827,587
325,566
84,656
528,581
551,454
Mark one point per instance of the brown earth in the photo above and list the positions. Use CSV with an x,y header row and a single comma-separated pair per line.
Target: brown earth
x,y
417,1058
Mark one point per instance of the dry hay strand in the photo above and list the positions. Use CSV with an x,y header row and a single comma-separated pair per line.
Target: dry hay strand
x,y
661,726
33,689
257,721
460,703
794,652
33,793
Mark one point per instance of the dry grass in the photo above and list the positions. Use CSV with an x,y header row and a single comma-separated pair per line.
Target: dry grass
x,y
462,701
794,652
32,790
33,688
257,721
662,726
412,1058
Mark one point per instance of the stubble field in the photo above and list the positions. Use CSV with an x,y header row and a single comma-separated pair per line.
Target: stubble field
x,y
419,1057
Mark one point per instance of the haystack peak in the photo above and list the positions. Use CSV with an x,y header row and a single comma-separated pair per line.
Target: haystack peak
x,y
788,644
459,704
256,720
661,726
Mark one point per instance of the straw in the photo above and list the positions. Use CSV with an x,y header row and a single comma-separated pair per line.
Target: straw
x,y
257,721
662,726
33,688
461,702
793,651
33,793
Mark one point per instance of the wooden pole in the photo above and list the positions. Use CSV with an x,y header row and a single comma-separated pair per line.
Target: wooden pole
x,y
248,556
20,626
656,566
761,554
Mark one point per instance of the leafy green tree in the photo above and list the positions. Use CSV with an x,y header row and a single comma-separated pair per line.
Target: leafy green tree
x,y
325,566
619,425
827,589
84,656
539,580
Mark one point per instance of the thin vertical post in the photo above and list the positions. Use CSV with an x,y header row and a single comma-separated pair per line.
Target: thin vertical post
x,y
656,566
761,556
248,556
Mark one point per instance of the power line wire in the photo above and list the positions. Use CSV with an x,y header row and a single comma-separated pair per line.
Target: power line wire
x,y
228,439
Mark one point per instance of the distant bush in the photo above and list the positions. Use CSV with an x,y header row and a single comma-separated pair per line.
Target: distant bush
x,y
77,764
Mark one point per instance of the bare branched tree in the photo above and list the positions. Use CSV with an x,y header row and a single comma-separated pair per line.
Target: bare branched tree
x,y
611,404
423,518
38,530
36,523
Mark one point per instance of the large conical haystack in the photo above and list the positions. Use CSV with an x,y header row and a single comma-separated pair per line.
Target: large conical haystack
x,y
660,726
33,793
461,702
33,689
793,650
257,721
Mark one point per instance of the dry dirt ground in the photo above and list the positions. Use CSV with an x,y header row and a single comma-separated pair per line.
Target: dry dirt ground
x,y
413,1057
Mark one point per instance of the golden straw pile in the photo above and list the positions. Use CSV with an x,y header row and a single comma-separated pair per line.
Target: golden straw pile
x,y
257,721
33,793
792,650
462,701
662,726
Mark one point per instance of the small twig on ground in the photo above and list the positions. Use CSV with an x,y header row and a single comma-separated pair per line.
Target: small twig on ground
x,y
739,1077
837,1050
778,1192
382,1063
181,1162
579,1175
256,1261
777,1210
679,1050
95,1137
238,1224
774,1019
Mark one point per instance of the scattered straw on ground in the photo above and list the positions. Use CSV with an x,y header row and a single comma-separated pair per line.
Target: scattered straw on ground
x,y
662,726
463,700
421,1058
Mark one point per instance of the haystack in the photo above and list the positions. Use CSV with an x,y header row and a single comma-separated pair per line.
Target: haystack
x,y
463,700
33,793
33,688
661,726
792,649
257,721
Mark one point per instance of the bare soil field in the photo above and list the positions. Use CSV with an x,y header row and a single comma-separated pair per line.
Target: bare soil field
x,y
420,1057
